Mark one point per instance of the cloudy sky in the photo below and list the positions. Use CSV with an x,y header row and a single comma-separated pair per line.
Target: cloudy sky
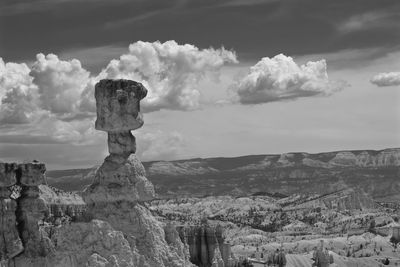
x,y
225,77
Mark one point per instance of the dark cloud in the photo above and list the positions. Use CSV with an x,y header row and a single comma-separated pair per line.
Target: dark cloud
x,y
253,28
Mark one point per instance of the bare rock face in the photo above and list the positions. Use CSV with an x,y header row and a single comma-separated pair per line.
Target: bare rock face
x,y
385,158
7,174
10,242
349,199
120,185
122,176
121,143
206,246
32,173
95,243
120,179
117,103
21,211
31,209
61,205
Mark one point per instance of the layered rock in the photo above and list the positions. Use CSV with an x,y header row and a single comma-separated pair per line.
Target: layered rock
x,y
31,208
10,241
206,246
118,105
349,199
22,210
120,185
346,199
385,158
62,205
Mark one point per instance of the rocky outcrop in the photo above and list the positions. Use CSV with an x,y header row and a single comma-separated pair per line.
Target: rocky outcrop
x,y
31,209
10,241
22,210
385,158
61,205
206,246
120,185
118,105
347,199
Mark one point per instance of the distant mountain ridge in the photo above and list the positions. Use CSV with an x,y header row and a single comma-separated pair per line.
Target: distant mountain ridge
x,y
374,171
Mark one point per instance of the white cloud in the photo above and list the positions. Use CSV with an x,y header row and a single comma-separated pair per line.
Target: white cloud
x,y
17,93
52,101
60,83
159,145
386,79
171,72
280,78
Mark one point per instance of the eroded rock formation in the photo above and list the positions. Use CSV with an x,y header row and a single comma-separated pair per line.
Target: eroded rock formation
x,y
10,241
22,209
206,246
109,225
31,208
120,185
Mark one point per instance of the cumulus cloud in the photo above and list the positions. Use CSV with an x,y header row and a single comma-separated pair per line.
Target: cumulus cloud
x,y
50,87
159,145
60,83
171,72
17,93
51,100
386,79
280,78
64,89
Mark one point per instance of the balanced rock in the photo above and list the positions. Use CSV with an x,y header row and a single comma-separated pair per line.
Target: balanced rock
x,y
121,143
120,184
117,103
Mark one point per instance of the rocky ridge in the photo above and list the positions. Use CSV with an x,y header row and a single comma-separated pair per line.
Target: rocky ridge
x,y
374,171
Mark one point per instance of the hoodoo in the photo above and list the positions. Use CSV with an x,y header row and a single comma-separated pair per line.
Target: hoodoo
x,y
110,226
120,185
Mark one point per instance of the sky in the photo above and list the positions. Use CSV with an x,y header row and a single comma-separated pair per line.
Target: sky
x,y
225,77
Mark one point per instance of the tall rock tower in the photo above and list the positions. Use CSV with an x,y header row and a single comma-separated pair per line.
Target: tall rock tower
x,y
120,185
121,177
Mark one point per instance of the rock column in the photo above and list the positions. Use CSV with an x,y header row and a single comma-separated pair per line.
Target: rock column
x,y
10,242
120,185
122,176
31,208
